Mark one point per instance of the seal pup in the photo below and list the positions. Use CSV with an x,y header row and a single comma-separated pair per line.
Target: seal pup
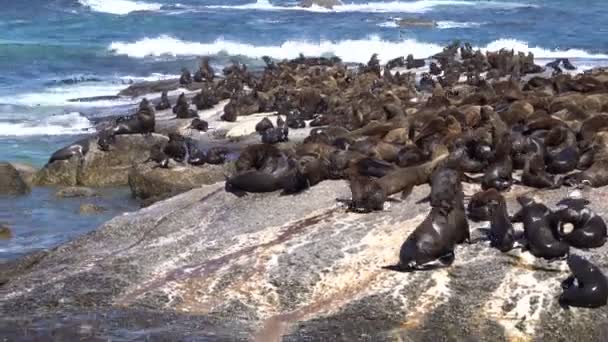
x,y
587,287
562,154
499,174
80,148
164,102
501,234
158,156
264,125
588,228
539,230
534,174
277,134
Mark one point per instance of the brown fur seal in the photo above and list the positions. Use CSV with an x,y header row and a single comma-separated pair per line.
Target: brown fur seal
x,y
79,148
164,103
370,195
499,174
182,108
587,287
142,122
502,235
588,228
538,222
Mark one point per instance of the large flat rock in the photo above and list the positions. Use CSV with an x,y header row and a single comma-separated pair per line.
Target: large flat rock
x,y
207,263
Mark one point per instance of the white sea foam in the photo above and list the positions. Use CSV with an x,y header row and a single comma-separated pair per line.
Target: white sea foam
x,y
60,95
66,124
420,6
456,24
349,50
390,23
119,7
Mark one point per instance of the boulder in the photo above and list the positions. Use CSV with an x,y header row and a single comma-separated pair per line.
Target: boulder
x,y
75,191
329,4
11,182
207,265
100,168
147,182
27,172
89,208
414,22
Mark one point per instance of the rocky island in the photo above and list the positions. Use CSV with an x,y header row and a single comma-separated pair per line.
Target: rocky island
x,y
276,203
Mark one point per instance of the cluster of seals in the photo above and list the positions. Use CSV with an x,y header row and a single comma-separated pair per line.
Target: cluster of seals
x,y
271,134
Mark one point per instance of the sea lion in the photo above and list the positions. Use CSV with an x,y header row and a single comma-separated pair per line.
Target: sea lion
x,y
588,228
294,119
275,135
433,240
164,102
182,108
205,72
539,230
105,140
534,173
216,155
595,175
195,156
158,156
562,153
176,148
374,167
499,174
79,148
199,125
263,125
186,77
369,195
142,122
587,287
205,99
492,204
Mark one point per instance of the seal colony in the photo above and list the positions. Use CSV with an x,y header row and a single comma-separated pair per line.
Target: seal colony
x,y
494,118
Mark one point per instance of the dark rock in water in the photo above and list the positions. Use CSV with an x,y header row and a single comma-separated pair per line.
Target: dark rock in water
x,y
329,4
148,87
5,233
164,103
156,183
414,22
95,98
89,208
100,168
76,191
11,182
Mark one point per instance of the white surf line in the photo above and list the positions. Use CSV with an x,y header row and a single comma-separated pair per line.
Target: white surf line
x,y
532,296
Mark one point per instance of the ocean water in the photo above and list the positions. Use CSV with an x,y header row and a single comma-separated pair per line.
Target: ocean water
x,y
52,51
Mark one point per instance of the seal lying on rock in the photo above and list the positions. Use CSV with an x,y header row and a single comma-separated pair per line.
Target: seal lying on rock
x,y
588,228
587,287
265,168
539,230
79,148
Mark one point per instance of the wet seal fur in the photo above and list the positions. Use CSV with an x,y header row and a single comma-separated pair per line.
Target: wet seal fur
x,y
491,206
445,226
539,230
588,228
587,287
79,148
